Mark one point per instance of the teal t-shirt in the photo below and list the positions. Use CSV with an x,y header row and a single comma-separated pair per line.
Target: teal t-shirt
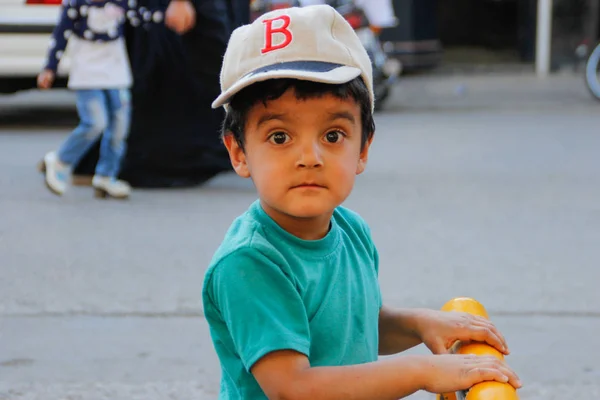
x,y
267,290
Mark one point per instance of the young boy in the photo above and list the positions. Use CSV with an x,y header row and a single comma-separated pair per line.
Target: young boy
x,y
101,77
292,295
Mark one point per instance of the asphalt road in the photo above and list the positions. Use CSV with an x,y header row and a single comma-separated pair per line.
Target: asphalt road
x,y
482,187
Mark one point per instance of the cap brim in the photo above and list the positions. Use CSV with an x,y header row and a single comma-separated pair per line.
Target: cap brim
x,y
315,71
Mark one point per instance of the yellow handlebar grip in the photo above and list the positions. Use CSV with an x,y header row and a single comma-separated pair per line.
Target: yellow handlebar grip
x,y
467,305
492,391
483,390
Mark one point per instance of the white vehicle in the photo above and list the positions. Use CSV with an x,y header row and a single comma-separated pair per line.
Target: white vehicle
x,y
25,29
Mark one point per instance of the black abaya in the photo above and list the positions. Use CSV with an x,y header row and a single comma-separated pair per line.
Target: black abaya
x,y
174,138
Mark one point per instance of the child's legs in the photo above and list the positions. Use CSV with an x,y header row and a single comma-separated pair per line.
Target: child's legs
x,y
93,115
114,140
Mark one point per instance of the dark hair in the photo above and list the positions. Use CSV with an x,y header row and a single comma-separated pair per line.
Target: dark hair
x,y
240,104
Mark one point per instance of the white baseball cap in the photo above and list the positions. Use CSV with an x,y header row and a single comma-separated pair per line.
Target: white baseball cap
x,y
313,43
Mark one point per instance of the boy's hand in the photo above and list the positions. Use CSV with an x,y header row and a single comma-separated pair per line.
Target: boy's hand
x,y
45,79
439,330
453,372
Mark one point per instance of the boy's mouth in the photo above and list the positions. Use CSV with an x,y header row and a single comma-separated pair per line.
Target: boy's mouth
x,y
309,185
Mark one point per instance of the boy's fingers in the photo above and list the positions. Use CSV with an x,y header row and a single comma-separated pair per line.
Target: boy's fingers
x,y
481,374
439,348
498,334
489,336
513,378
485,323
496,370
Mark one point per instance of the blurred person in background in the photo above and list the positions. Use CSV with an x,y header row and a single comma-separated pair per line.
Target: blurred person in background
x,y
174,139
101,77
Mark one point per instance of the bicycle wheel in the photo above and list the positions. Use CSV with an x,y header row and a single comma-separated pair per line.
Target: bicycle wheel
x,y
592,72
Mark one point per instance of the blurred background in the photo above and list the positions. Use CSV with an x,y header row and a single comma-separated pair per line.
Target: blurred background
x,y
483,181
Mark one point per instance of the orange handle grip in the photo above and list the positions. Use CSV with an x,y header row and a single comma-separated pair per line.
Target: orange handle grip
x,y
483,390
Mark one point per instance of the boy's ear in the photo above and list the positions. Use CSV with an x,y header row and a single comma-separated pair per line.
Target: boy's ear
x,y
236,155
364,156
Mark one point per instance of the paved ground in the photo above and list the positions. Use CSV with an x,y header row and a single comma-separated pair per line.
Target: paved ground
x,y
484,186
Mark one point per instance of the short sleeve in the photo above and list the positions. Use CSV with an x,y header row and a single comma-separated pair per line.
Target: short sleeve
x,y
375,255
376,264
371,245
260,306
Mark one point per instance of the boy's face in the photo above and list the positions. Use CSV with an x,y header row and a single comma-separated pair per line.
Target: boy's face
x,y
302,155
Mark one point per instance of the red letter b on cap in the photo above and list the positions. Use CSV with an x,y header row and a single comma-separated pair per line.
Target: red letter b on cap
x,y
270,30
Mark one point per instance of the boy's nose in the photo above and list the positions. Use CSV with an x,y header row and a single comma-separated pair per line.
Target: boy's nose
x,y
310,156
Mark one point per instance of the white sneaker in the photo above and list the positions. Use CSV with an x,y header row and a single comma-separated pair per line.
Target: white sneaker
x,y
106,186
58,174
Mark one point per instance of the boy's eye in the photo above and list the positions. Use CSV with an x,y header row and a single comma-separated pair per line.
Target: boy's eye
x,y
279,138
334,136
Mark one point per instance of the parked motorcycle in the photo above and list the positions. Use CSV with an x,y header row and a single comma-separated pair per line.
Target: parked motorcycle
x,y
385,70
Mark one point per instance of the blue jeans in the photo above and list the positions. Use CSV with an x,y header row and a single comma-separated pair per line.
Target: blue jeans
x,y
102,112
